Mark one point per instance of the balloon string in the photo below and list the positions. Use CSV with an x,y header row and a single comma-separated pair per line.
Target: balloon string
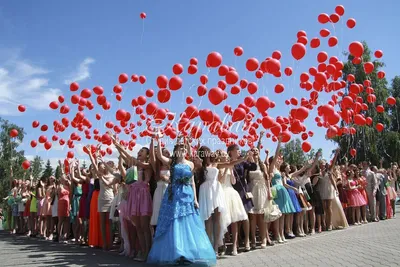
x,y
141,37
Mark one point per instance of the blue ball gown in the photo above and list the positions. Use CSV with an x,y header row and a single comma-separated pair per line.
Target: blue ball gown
x,y
180,235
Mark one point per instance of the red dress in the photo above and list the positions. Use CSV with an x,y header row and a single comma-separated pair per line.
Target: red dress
x,y
63,202
82,201
363,183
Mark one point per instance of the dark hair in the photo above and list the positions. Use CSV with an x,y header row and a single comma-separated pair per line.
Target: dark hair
x,y
172,168
283,167
207,157
231,148
292,168
270,160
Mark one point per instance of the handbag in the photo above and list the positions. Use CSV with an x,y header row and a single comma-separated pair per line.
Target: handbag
x,y
248,195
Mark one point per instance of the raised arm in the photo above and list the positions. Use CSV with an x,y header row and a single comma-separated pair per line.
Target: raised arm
x,y
334,159
277,153
232,163
164,160
121,167
72,166
259,141
152,155
93,161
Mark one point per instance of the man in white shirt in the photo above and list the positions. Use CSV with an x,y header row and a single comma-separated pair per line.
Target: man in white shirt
x,y
372,187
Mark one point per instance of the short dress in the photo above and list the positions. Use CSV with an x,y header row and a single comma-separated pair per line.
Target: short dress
x,y
258,188
33,207
356,199
158,196
106,195
82,201
293,196
282,199
139,198
239,171
46,209
75,202
326,189
234,205
54,207
63,202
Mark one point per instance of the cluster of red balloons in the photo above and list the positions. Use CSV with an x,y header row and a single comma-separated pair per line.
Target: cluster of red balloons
x,y
326,77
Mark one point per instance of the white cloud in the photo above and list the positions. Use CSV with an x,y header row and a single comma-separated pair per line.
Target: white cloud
x,y
82,73
22,82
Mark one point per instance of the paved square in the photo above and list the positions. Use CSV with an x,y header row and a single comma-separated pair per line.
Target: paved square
x,y
374,244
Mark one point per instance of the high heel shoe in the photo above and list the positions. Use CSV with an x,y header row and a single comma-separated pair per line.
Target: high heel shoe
x,y
234,252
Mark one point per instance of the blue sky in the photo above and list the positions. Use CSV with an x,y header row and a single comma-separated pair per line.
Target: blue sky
x,y
46,43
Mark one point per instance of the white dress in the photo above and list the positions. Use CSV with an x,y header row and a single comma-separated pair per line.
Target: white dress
x,y
234,205
212,196
54,207
258,188
158,197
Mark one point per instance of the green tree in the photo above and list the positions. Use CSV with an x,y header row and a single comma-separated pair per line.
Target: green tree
x,y
368,142
57,172
9,156
37,167
293,153
48,170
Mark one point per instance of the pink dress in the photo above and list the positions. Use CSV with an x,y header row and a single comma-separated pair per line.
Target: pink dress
x,y
139,201
355,198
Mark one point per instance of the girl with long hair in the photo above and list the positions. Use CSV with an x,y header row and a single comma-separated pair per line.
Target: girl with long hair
x,y
180,236
140,204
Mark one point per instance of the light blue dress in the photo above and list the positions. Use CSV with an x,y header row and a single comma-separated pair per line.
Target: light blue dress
x,y
282,196
180,234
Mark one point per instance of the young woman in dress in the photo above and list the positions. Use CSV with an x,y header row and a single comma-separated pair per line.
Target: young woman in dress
x,y
327,188
140,204
339,220
24,194
293,192
107,178
76,198
159,158
46,210
235,210
282,196
356,199
241,185
180,236
63,206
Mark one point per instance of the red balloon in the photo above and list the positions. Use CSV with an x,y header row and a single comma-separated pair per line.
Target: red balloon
x,y
279,88
214,59
61,99
223,70
298,51
26,164
238,114
47,145
142,79
238,51
204,79
216,95
44,128
379,127
277,54
339,10
332,41
86,93
123,78
14,133
303,40
378,53
175,83
193,61
380,109
356,49
189,100
306,146
381,74
351,23
334,18
391,101
74,86
149,93
33,143
164,95
252,64
232,77
162,81
143,15
98,90
192,69
21,108
353,152
322,56
323,18
288,71
70,154
177,69
134,78
324,33
201,90
315,42
53,105
369,67
252,88
301,33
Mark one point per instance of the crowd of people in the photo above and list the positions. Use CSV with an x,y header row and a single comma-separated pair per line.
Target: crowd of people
x,y
194,204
